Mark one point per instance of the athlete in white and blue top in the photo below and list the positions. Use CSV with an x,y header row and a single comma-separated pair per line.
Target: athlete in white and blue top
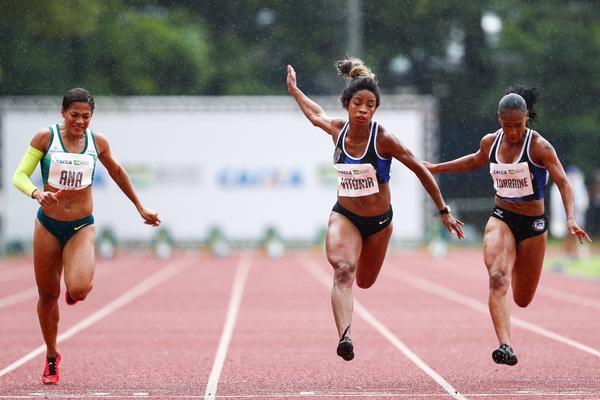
x,y
515,236
360,225
530,186
64,233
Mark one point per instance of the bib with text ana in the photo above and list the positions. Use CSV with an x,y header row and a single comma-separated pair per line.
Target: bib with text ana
x,y
356,180
511,180
70,171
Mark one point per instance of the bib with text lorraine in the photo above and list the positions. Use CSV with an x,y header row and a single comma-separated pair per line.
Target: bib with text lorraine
x,y
356,180
512,180
69,171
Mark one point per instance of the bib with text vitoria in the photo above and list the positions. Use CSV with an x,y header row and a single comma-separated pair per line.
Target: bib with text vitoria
x,y
356,180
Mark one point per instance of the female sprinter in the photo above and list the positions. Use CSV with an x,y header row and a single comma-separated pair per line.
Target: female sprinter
x,y
64,230
360,225
515,236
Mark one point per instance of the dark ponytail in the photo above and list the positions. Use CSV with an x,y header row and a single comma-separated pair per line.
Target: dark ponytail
x,y
530,95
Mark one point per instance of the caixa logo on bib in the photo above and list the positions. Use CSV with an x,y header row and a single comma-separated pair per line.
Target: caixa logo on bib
x,y
539,224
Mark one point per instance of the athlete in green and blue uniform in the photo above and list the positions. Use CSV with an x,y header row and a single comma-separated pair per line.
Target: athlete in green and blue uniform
x,y
64,233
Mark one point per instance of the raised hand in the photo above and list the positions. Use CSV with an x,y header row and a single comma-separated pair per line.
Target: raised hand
x,y
291,78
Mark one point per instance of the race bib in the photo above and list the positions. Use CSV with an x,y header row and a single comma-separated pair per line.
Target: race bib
x,y
69,171
511,180
356,180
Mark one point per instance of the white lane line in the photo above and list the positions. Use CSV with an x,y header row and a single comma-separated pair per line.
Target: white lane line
x,y
569,297
147,284
449,294
325,279
343,395
32,292
235,300
23,295
543,290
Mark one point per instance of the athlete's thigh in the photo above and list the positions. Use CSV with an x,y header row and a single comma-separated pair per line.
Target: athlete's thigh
x,y
79,257
47,260
373,253
343,242
499,247
528,267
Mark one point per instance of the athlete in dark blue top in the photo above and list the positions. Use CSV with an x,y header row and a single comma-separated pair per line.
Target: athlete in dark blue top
x,y
360,225
539,174
515,236
371,156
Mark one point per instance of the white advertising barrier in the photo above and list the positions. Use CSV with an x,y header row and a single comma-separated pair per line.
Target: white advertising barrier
x,y
240,164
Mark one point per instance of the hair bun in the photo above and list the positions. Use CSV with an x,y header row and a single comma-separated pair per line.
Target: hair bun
x,y
354,68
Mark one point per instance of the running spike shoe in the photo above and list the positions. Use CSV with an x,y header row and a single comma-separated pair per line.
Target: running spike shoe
x,y
345,349
505,355
51,373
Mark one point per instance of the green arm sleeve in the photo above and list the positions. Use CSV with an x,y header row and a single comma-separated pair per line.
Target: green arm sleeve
x,y
26,167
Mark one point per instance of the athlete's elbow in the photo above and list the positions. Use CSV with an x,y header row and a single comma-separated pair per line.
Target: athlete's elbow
x,y
314,119
15,179
116,173
19,179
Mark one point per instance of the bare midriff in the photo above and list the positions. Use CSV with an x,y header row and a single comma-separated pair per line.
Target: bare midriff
x,y
531,208
72,204
368,206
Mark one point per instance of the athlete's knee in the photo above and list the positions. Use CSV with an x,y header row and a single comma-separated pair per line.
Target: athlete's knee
x,y
343,272
498,281
48,297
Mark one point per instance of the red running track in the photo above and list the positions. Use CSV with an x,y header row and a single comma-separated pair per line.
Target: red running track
x,y
250,327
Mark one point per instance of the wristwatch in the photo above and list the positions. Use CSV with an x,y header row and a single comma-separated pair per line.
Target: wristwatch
x,y
445,210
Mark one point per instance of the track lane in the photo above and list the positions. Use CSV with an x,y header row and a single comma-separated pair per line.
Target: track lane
x,y
285,340
114,283
545,365
562,314
163,344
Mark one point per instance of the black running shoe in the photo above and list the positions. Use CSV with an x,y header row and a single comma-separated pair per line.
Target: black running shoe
x,y
345,349
505,355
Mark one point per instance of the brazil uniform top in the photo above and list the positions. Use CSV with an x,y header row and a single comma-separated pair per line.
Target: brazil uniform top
x,y
69,171
532,174
371,156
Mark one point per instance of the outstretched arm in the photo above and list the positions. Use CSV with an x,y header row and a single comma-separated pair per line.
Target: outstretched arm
x,y
544,150
393,147
466,163
121,178
311,110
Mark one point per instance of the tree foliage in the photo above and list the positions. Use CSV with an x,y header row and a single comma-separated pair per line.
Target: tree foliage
x,y
225,47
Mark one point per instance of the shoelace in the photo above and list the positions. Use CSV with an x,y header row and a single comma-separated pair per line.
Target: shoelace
x,y
344,337
51,366
509,353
